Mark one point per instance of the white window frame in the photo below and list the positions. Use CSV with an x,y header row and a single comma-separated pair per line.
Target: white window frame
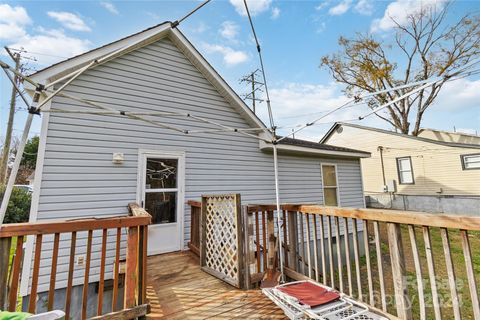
x,y
463,156
401,171
336,180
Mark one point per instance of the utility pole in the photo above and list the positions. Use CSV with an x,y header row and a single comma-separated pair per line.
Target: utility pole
x,y
8,134
252,79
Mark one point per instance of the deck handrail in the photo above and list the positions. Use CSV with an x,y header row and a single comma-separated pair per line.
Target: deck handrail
x,y
136,226
456,221
306,229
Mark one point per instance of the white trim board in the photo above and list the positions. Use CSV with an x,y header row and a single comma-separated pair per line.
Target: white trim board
x,y
37,183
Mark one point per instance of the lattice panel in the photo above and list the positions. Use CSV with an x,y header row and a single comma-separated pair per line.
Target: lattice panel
x,y
220,241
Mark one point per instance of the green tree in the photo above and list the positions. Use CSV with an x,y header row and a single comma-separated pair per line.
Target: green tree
x,y
29,158
18,209
425,46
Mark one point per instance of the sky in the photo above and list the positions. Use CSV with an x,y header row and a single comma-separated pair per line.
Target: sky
x,y
294,35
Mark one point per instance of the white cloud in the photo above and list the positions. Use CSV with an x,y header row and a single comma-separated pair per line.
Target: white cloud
x,y
110,7
322,5
229,30
275,13
11,31
254,6
364,7
340,8
298,103
321,27
400,10
69,20
231,57
462,94
13,21
51,45
48,46
17,15
200,27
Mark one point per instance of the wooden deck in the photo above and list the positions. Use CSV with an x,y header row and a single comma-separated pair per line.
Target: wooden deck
x,y
178,289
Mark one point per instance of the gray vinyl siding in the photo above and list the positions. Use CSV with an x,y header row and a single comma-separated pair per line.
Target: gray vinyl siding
x,y
79,179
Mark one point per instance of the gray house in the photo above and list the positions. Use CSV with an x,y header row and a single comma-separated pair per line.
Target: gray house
x,y
94,165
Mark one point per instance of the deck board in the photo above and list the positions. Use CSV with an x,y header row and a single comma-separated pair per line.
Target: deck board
x,y
178,289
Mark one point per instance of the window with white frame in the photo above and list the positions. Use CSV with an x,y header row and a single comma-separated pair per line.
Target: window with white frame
x,y
405,171
471,161
330,186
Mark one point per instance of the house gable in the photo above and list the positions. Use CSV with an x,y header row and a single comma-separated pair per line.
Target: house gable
x,y
144,38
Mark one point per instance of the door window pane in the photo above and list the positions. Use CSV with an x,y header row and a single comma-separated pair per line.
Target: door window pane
x,y
161,206
161,173
329,177
330,195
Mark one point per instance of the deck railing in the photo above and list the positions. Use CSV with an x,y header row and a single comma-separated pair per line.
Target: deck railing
x,y
13,236
375,256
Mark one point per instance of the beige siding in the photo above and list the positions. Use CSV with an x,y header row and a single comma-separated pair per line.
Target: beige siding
x,y
437,168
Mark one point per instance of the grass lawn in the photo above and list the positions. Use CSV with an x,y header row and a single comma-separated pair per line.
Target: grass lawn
x,y
440,270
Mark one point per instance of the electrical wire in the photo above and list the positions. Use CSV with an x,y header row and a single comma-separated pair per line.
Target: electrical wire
x,y
454,75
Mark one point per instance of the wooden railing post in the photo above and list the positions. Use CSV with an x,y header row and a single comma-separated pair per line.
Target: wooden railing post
x,y
5,244
131,277
142,264
398,271
249,246
292,240
136,264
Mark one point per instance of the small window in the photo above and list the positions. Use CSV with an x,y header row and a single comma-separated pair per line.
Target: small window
x,y
330,187
405,171
471,161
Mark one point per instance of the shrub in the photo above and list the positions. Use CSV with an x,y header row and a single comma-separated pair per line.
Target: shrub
x,y
18,209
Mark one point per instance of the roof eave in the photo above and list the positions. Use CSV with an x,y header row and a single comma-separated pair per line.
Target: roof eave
x,y
265,146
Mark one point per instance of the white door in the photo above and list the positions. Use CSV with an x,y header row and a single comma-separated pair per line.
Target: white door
x,y
162,195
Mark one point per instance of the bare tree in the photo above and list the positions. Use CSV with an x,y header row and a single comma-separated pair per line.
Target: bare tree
x,y
429,48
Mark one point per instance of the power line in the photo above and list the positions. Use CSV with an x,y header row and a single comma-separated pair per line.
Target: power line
x,y
454,75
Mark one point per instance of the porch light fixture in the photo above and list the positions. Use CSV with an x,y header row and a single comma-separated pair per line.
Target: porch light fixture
x,y
118,158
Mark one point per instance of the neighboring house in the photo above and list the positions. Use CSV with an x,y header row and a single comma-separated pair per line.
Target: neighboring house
x,y
415,173
93,165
